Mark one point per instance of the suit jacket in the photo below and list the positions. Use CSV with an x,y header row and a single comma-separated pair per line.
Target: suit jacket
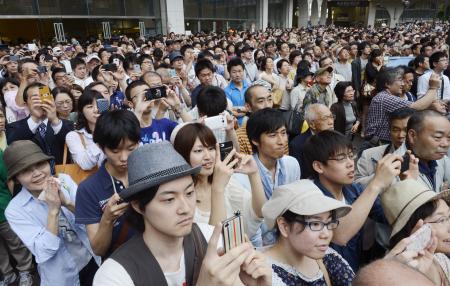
x,y
19,130
338,110
356,75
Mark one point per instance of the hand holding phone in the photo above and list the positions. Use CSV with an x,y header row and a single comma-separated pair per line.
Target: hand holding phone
x,y
156,93
420,239
405,163
44,94
102,105
233,232
216,122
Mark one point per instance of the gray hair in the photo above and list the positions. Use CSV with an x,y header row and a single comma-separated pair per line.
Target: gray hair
x,y
311,111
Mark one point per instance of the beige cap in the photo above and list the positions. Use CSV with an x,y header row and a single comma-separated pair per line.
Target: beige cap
x,y
402,199
302,197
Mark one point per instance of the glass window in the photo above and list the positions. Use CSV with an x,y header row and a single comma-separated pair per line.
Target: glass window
x,y
62,7
192,9
18,7
105,7
141,7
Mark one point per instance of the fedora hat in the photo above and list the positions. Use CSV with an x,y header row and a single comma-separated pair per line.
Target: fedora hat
x,y
402,199
154,164
302,197
21,155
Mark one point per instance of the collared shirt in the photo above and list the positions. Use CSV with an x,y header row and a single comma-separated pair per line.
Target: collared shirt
x,y
92,196
382,105
287,171
235,94
34,125
351,251
27,216
429,170
251,71
423,84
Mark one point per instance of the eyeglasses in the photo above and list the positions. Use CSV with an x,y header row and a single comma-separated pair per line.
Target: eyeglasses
x,y
326,117
319,225
442,220
62,103
342,157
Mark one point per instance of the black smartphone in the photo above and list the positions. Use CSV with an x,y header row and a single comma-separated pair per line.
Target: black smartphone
x,y
42,69
155,93
110,67
225,149
405,163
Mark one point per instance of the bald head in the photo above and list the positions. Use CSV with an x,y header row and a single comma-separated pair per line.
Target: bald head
x,y
390,272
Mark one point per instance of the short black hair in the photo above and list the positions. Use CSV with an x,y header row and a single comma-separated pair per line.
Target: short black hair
x,y
436,57
293,55
132,85
136,219
321,147
55,71
266,120
263,63
401,113
183,49
280,63
143,57
235,62
114,126
203,64
86,98
76,62
340,88
25,91
250,92
211,101
420,59
417,120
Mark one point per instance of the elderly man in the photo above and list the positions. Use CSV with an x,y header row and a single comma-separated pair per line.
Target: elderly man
x,y
319,118
321,91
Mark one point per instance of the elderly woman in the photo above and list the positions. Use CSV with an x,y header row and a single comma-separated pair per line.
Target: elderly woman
x,y
345,112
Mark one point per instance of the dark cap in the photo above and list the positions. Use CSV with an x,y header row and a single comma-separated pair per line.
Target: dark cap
x,y
323,70
175,55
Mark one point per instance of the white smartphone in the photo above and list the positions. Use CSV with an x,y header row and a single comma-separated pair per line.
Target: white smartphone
x,y
216,122
420,239
67,66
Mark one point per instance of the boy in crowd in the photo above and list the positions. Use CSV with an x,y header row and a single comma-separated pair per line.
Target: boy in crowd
x,y
98,204
236,88
80,72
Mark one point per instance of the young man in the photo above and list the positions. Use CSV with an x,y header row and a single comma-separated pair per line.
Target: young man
x,y
438,64
250,68
329,157
43,126
80,73
367,163
170,249
343,66
42,215
98,204
236,89
421,64
359,66
153,129
204,70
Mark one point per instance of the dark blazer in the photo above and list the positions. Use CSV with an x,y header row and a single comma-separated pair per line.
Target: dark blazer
x,y
19,130
356,75
338,110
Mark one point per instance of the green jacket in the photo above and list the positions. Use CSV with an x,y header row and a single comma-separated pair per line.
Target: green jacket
x,y
5,195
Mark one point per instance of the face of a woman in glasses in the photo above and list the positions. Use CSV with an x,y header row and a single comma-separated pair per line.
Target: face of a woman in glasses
x,y
303,240
440,223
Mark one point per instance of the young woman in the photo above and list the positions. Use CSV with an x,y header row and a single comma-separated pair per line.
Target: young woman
x,y
304,79
267,74
82,148
346,115
304,220
64,102
8,91
407,211
219,194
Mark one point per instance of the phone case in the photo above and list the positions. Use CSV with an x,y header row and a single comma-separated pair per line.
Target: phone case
x,y
44,93
102,105
233,232
216,122
420,239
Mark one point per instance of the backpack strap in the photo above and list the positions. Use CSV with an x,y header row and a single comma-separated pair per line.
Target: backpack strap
x,y
324,271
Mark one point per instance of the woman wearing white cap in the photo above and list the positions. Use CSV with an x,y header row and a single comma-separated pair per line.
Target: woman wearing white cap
x,y
407,206
304,219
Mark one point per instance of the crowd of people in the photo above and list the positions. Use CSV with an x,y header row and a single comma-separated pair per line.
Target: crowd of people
x,y
122,158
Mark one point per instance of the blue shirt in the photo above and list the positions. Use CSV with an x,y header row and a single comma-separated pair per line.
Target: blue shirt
x,y
28,215
159,131
92,196
236,95
351,252
116,100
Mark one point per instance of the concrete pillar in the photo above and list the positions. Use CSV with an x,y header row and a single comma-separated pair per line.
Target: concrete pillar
x,y
303,15
288,11
172,16
262,10
395,12
323,13
314,13
371,14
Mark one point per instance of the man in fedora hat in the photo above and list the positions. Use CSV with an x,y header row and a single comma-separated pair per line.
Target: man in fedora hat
x,y
42,215
170,249
321,91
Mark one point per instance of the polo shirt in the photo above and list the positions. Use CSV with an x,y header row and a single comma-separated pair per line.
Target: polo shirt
x,y
92,196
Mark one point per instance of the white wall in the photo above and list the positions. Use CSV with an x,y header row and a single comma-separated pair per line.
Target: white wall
x,y
174,16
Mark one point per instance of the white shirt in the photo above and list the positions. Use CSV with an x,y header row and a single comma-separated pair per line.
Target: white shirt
x,y
83,82
112,273
34,125
86,155
423,86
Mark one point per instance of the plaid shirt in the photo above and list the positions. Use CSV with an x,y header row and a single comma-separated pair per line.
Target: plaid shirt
x,y
382,105
245,147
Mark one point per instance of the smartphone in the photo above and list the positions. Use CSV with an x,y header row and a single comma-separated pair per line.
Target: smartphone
x,y
13,58
111,49
420,239
216,122
42,69
67,66
405,163
44,93
102,105
110,67
32,47
48,58
225,149
172,73
155,93
137,68
233,232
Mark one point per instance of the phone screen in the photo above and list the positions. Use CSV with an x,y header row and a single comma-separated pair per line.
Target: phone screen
x,y
155,93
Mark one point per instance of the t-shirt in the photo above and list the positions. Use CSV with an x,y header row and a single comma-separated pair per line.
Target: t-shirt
x,y
159,131
92,196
